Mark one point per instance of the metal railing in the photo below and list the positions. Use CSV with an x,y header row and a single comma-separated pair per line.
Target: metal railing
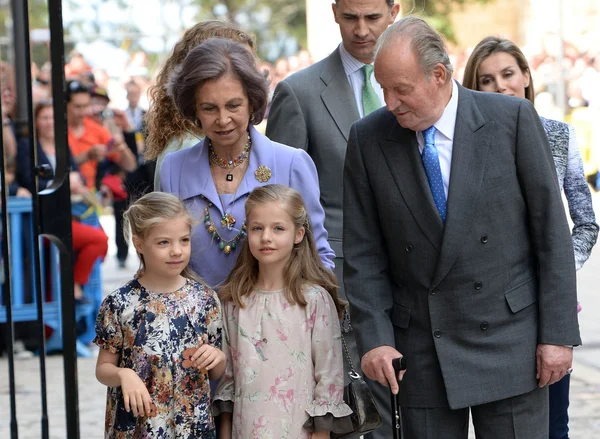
x,y
24,294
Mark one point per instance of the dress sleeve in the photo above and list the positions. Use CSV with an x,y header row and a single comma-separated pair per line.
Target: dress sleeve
x,y
327,412
109,334
577,192
224,394
304,178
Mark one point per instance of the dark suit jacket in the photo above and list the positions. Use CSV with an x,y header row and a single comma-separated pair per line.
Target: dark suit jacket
x,y
314,110
24,175
468,302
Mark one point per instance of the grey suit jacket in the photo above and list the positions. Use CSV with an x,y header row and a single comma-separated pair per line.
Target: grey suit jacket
x,y
314,110
468,302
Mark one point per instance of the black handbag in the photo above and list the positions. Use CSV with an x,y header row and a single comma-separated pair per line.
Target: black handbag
x,y
357,395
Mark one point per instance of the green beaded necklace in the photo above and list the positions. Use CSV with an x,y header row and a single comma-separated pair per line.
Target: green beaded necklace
x,y
224,245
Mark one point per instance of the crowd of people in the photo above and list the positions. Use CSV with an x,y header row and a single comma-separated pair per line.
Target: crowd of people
x,y
448,245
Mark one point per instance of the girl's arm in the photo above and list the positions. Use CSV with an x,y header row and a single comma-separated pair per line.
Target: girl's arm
x,y
225,426
135,393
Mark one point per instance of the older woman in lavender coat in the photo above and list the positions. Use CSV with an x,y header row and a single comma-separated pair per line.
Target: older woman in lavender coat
x,y
219,87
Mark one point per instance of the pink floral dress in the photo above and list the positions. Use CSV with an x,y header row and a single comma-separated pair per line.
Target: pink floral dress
x,y
284,366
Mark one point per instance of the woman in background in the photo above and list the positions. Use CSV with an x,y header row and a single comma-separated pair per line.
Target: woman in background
x,y
497,65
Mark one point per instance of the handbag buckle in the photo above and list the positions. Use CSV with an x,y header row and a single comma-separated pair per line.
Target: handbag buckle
x,y
353,375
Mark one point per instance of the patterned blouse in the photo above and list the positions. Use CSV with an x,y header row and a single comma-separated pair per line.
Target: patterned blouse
x,y
284,375
571,179
150,331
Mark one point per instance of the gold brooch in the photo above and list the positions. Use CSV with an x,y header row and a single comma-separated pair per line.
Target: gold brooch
x,y
263,174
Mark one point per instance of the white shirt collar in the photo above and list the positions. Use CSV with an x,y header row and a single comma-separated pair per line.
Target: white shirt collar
x,y
445,124
350,63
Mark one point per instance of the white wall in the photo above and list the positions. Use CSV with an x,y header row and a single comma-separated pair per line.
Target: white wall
x,y
323,32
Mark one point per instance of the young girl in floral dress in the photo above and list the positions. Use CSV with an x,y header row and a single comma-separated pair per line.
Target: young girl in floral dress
x,y
160,334
284,373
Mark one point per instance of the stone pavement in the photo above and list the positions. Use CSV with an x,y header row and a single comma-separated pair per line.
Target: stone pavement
x,y
585,382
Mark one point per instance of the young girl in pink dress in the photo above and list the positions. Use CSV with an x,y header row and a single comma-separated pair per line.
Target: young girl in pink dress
x,y
160,334
284,373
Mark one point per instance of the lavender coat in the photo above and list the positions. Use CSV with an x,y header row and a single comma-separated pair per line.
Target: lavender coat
x,y
186,174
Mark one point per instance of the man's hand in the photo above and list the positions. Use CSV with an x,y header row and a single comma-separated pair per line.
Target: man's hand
x,y
552,363
377,365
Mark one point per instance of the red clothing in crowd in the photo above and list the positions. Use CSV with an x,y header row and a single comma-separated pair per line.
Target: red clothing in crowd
x,y
90,243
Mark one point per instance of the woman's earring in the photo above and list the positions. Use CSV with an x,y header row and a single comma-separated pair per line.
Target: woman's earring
x,y
198,123
252,116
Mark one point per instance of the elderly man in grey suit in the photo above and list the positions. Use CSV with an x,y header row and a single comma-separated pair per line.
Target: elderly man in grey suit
x,y
457,249
315,108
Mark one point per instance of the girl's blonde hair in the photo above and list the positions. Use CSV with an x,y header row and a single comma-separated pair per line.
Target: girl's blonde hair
x,y
163,120
304,266
147,212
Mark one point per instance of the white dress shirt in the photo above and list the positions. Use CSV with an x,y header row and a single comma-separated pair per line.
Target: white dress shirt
x,y
356,78
444,135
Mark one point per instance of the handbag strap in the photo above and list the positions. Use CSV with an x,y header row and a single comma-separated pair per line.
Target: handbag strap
x,y
345,327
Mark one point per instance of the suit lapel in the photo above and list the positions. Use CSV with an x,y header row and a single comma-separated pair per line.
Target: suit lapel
x,y
338,97
472,138
404,160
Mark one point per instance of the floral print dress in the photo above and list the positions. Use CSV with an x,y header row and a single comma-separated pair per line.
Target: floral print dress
x,y
150,331
284,366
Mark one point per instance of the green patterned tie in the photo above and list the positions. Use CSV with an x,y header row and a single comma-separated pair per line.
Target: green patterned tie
x,y
370,100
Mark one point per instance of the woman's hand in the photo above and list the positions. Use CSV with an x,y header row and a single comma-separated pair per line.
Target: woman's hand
x,y
135,393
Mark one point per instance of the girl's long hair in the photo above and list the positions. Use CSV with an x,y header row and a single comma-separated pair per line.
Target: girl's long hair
x,y
146,213
304,266
163,120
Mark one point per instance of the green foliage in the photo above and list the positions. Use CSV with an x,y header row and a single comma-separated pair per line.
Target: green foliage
x,y
267,19
38,15
437,12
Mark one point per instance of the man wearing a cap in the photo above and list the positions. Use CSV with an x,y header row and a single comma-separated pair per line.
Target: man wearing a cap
x,y
90,142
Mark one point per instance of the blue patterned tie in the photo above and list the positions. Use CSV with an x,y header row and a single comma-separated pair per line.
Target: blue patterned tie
x,y
431,162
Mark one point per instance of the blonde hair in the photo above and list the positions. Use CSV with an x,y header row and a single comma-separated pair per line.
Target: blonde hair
x,y
147,212
490,46
163,120
304,266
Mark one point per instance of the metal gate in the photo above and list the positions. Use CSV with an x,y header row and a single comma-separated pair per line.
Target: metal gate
x,y
51,216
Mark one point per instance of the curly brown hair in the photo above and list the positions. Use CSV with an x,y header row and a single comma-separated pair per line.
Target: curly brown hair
x,y
163,120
